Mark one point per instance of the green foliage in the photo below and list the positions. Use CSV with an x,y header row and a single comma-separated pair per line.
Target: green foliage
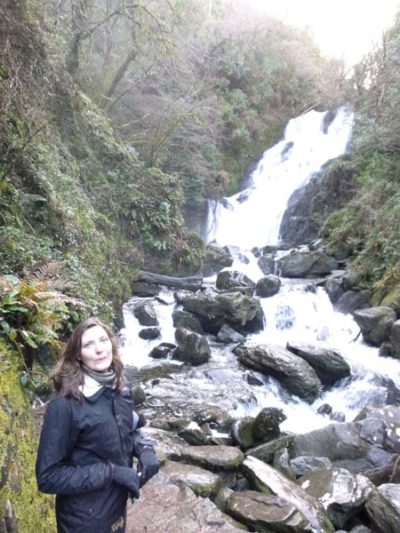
x,y
367,229
31,316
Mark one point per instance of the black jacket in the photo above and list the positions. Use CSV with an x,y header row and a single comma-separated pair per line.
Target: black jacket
x,y
77,444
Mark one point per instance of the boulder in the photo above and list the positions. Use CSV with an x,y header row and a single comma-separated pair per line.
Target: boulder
x,y
162,351
349,301
334,288
291,371
150,333
266,424
395,339
306,264
241,312
202,482
328,364
303,464
265,512
157,510
367,446
375,323
335,441
194,435
266,451
242,432
266,264
383,508
169,445
215,259
192,348
182,319
227,335
214,457
268,286
144,289
267,479
145,313
229,280
342,493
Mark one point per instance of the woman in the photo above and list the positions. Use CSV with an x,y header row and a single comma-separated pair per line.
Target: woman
x,y
90,436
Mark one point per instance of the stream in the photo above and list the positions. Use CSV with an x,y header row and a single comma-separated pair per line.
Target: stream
x,y
300,312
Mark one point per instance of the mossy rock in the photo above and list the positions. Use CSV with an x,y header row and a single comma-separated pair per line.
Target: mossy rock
x,y
19,495
392,299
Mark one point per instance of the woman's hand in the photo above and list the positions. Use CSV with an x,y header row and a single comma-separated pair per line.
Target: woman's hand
x,y
127,477
148,466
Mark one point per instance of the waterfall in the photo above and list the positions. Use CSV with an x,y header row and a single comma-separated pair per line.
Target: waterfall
x,y
252,217
296,314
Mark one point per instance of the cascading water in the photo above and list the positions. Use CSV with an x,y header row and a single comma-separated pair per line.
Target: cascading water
x,y
252,217
295,314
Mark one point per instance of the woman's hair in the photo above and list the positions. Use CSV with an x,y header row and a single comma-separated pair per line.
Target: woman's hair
x,y
68,374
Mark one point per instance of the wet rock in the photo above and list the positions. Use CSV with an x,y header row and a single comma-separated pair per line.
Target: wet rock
x,y
265,512
334,289
389,415
366,446
304,464
291,371
242,432
352,300
150,333
266,451
395,339
239,311
342,493
145,313
253,379
303,264
383,508
182,319
234,280
162,351
214,457
336,441
375,323
324,409
192,348
227,334
168,444
144,289
215,259
194,436
138,395
309,206
268,286
328,364
266,424
202,482
267,479
173,509
266,264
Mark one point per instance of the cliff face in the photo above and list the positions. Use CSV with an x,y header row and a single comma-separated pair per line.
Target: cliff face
x,y
310,206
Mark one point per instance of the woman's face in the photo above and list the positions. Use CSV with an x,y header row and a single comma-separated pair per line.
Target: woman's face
x,y
96,349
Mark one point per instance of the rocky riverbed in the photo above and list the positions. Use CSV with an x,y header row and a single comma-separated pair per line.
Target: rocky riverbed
x,y
222,471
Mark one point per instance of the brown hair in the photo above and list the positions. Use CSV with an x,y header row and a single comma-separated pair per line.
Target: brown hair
x,y
68,374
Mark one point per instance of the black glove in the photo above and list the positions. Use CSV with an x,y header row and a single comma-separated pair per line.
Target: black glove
x,y
127,477
148,466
